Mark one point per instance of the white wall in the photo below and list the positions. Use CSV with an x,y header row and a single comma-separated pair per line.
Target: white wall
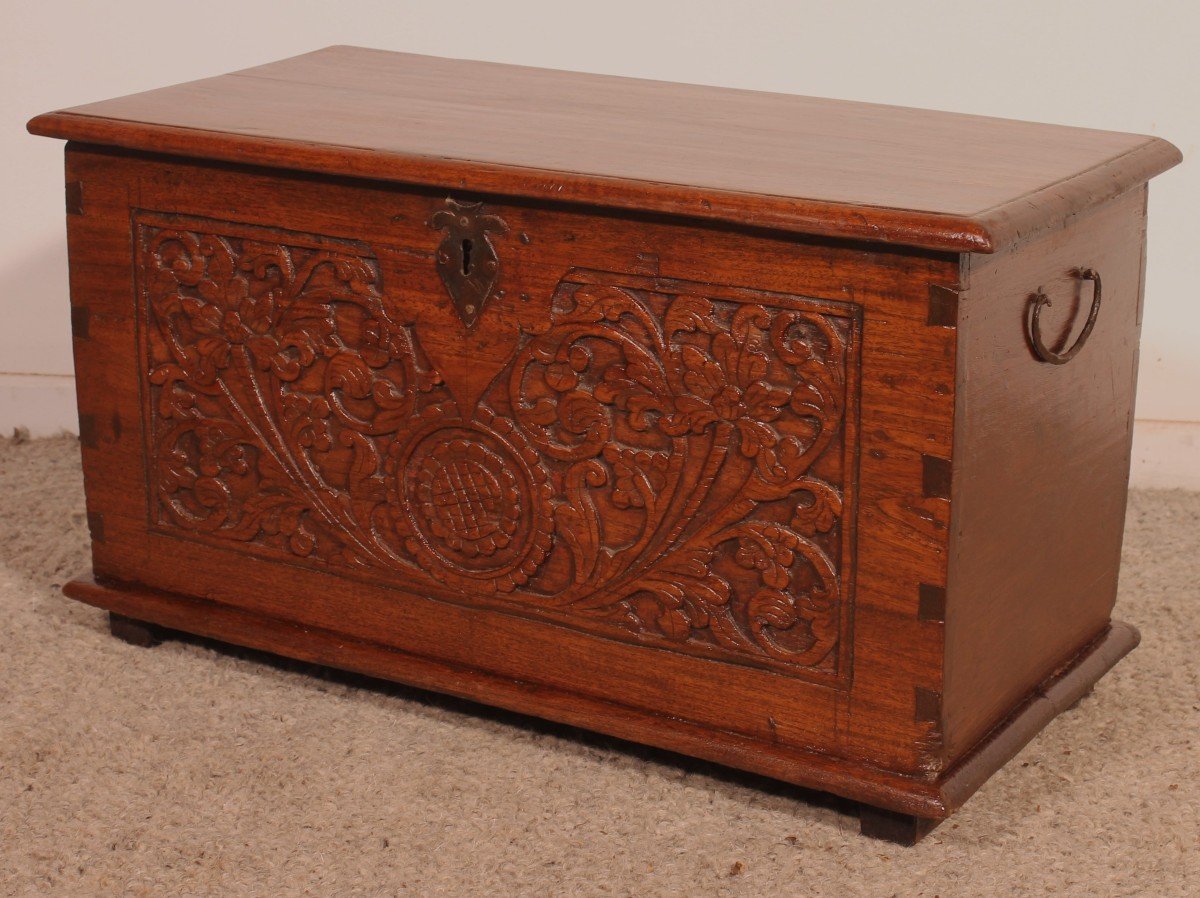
x,y
1117,64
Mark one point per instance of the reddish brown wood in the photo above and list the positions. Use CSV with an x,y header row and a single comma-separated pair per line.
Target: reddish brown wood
x,y
1041,478
811,507
920,796
1060,692
894,417
910,176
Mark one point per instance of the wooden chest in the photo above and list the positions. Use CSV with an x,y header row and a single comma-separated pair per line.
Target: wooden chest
x,y
788,433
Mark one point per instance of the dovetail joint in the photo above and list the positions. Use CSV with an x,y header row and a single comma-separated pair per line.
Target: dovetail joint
x,y
927,705
74,197
932,603
81,318
943,306
935,477
87,431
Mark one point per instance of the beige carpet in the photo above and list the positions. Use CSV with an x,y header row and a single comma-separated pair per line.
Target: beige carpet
x,y
194,770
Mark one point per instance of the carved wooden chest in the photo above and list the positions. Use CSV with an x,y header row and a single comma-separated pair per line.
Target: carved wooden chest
x,y
788,433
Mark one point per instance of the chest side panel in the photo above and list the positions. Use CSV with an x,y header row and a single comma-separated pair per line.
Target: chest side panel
x,y
1042,463
680,468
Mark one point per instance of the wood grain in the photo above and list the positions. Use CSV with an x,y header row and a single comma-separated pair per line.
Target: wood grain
x,y
918,177
898,540
396,364
1041,462
295,415
925,798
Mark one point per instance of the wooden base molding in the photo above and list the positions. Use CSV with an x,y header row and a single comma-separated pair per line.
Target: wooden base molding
x,y
140,615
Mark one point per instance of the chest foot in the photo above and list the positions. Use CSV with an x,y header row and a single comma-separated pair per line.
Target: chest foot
x,y
135,632
890,826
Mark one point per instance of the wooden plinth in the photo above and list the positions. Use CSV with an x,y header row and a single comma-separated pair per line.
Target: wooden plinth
x,y
909,807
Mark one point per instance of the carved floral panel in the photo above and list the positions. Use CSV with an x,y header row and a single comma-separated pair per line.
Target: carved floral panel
x,y
660,462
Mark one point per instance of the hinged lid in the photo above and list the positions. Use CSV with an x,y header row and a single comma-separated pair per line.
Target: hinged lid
x,y
928,179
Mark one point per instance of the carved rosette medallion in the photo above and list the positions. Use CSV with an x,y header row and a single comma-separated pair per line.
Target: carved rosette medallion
x,y
659,462
472,502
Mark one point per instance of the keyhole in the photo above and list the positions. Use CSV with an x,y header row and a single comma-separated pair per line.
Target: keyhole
x,y
466,256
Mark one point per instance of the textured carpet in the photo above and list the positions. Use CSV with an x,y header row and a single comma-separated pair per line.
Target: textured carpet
x,y
195,770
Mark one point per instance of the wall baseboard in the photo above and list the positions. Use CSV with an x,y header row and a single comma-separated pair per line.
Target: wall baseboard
x,y
43,404
1166,454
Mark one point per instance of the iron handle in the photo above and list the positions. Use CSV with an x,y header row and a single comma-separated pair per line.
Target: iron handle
x,y
1040,300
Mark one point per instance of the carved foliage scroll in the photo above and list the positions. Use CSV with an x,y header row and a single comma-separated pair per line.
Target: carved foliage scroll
x,y
659,462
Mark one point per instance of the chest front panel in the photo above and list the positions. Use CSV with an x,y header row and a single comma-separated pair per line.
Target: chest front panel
x,y
544,442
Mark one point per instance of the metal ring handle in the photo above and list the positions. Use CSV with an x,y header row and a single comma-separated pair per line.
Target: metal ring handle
x,y
1040,300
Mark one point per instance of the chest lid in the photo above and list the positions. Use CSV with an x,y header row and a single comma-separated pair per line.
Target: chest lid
x,y
935,180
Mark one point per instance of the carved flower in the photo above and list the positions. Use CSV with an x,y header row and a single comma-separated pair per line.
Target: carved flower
x,y
767,548
638,474
229,304
381,344
735,392
306,420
